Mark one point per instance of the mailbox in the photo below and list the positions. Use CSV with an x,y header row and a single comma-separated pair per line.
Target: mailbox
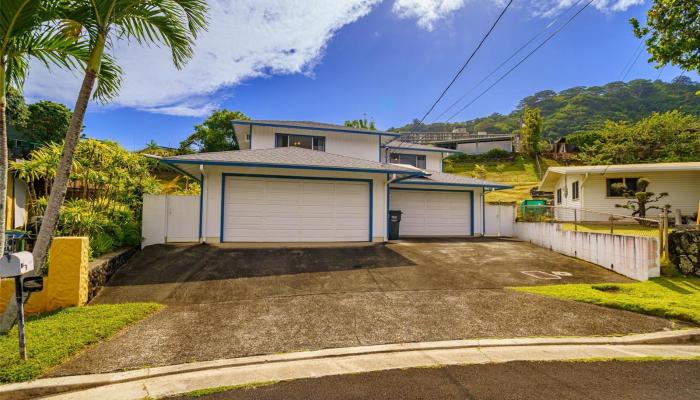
x,y
16,264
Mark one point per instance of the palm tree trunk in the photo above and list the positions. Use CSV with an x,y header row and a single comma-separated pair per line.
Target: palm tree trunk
x,y
3,158
60,182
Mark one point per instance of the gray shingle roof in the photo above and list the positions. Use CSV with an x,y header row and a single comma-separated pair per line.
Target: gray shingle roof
x,y
450,179
287,156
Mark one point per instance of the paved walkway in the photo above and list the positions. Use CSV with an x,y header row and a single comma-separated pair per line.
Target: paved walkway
x,y
167,381
233,302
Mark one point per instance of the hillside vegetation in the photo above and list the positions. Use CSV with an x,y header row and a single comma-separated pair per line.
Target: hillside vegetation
x,y
582,108
520,172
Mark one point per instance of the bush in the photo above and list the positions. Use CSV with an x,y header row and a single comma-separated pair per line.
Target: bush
x,y
684,250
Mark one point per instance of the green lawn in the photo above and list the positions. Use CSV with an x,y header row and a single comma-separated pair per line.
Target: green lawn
x,y
677,298
520,173
52,338
619,229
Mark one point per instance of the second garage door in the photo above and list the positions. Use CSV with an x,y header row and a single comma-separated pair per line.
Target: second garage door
x,y
295,210
432,212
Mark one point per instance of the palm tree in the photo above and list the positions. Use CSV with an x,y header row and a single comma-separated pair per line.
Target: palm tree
x,y
173,23
27,31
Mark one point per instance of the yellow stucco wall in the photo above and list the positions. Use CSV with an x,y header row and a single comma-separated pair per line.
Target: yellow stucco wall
x,y
67,282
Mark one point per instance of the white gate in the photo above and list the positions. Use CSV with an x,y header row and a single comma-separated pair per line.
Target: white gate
x,y
169,219
499,219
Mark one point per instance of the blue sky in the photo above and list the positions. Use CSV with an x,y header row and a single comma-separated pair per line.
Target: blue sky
x,y
387,60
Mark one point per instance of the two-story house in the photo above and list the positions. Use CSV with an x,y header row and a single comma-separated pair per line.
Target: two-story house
x,y
313,182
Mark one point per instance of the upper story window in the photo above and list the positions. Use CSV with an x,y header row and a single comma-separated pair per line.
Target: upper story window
x,y
575,191
416,160
615,187
304,141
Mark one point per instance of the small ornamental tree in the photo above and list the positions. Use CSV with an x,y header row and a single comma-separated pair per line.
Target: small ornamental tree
x,y
640,200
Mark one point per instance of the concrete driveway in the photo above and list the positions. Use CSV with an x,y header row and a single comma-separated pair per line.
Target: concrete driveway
x,y
227,302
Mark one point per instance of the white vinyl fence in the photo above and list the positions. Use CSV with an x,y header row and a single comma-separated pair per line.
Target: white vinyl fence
x,y
633,256
170,219
499,219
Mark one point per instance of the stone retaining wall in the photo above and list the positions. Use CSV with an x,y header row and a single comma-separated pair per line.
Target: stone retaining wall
x,y
102,268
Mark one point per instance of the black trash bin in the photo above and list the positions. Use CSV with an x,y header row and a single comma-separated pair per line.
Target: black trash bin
x,y
394,222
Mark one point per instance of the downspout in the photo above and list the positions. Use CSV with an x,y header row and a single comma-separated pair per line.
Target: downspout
x,y
393,179
202,206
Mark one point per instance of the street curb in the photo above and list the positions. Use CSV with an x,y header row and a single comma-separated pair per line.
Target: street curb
x,y
53,386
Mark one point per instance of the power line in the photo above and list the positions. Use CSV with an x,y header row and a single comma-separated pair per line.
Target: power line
x,y
506,61
522,60
634,61
661,70
463,66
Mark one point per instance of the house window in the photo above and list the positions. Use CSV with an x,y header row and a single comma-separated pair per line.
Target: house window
x,y
613,186
416,160
558,196
574,191
304,141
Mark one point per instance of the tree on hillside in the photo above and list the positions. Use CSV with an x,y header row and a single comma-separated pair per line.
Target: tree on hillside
x,y
214,134
639,199
531,131
361,123
667,137
17,110
47,122
673,29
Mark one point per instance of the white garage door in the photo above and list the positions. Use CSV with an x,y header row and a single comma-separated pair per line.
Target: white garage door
x,y
295,210
432,213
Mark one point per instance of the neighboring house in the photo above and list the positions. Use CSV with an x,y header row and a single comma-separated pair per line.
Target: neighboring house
x,y
311,182
593,187
561,151
478,144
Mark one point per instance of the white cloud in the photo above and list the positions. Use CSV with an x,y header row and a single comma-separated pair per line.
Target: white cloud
x,y
427,12
246,39
253,38
549,8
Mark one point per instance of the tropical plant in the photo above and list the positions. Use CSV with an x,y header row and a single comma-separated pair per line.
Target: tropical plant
x,y
28,31
673,30
214,134
102,23
639,200
361,123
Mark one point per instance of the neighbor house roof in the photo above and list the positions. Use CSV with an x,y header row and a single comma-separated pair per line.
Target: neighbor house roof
x,y
553,173
477,138
443,179
287,157
311,125
417,147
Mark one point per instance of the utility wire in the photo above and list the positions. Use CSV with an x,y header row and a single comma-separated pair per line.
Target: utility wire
x,y
661,71
634,61
506,61
463,67
522,60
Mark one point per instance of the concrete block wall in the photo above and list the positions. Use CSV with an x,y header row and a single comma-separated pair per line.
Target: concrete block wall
x,y
631,256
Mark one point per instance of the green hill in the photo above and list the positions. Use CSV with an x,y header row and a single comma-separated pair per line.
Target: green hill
x,y
580,109
521,173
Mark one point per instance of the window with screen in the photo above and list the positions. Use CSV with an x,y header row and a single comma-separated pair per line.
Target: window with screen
x,y
416,160
574,191
615,187
304,141
559,196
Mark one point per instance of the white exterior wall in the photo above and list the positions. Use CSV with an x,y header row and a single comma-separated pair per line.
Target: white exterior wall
x,y
567,197
355,145
484,147
683,189
433,159
632,256
211,224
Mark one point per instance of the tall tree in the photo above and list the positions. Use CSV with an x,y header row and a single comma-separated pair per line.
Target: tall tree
x,y
532,130
17,112
171,23
214,134
27,31
673,29
47,122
